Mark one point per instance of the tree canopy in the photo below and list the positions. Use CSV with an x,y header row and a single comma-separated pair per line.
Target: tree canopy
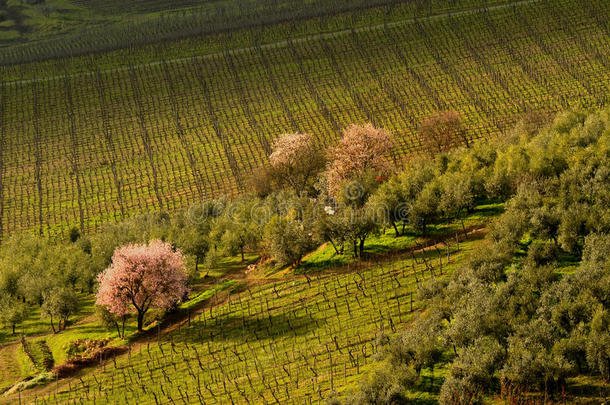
x,y
142,276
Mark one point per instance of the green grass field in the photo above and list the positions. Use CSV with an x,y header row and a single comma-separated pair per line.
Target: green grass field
x,y
290,341
86,148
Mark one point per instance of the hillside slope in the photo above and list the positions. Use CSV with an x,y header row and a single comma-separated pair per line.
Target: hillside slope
x,y
85,149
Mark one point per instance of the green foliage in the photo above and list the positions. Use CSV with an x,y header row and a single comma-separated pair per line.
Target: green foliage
x,y
471,375
12,312
238,228
489,262
598,345
35,271
425,209
288,240
419,346
58,304
384,386
110,321
513,320
458,195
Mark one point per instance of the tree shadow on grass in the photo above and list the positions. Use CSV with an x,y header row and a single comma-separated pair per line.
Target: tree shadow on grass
x,y
315,267
423,401
426,390
233,327
588,388
429,384
490,210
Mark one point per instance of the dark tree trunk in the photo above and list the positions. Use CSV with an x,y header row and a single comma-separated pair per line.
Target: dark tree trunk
x,y
334,246
362,246
140,320
243,259
13,329
396,229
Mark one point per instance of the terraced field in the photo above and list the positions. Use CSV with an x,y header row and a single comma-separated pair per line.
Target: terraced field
x,y
289,342
84,149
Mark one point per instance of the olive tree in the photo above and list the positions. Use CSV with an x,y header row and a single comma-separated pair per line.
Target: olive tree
x,y
59,303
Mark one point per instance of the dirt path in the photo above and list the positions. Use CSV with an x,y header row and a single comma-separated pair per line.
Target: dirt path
x,y
251,280
472,233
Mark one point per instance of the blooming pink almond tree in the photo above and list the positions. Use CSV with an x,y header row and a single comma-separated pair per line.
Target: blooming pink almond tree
x,y
296,160
362,147
141,277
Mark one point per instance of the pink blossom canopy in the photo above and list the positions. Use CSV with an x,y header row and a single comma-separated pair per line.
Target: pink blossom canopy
x,y
288,148
142,276
361,148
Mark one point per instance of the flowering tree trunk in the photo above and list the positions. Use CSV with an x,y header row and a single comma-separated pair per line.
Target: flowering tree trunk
x,y
140,320
142,276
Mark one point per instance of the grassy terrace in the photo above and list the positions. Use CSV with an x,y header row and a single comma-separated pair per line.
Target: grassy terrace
x,y
279,342
319,322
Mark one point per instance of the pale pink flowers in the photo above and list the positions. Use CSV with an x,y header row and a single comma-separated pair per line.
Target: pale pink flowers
x,y
360,149
141,277
288,148
296,161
